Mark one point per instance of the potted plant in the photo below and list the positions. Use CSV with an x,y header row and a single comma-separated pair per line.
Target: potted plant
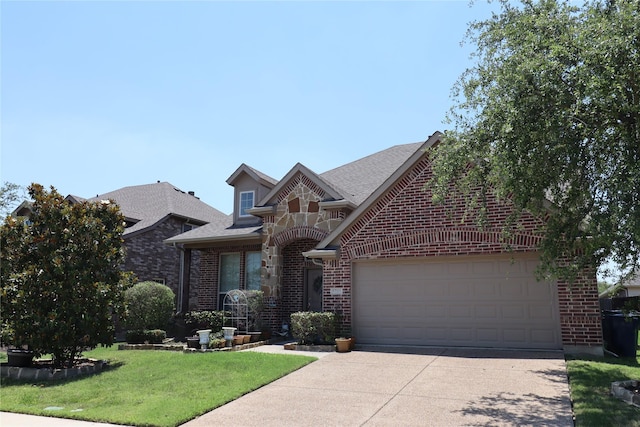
x,y
343,345
17,354
193,342
19,357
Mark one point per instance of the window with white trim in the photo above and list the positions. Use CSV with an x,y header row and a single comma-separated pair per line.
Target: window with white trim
x,y
246,202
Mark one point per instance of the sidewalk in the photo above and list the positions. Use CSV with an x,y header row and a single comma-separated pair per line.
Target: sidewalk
x,y
8,419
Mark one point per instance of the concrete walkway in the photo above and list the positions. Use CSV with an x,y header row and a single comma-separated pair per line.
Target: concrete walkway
x,y
393,387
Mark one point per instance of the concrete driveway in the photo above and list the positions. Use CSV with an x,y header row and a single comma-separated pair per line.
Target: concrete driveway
x,y
395,387
409,387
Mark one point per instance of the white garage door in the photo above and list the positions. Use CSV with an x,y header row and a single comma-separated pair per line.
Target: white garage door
x,y
455,301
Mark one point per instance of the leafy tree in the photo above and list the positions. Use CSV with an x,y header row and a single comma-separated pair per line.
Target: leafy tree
x,y
10,194
549,117
149,305
61,278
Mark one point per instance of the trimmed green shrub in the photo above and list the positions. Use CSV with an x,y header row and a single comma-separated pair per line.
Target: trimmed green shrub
x,y
205,319
154,336
149,305
255,306
310,327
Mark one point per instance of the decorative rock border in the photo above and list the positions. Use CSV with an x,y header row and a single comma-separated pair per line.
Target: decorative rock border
x,y
168,347
183,348
618,390
299,347
52,374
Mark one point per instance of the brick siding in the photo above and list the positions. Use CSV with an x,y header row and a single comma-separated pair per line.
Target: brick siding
x,y
405,223
150,259
209,268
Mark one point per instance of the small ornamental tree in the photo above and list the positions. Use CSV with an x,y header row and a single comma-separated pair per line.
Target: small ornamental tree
x,y
149,305
61,278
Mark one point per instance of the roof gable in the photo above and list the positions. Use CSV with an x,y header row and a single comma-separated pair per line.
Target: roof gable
x,y
417,152
272,196
358,179
255,174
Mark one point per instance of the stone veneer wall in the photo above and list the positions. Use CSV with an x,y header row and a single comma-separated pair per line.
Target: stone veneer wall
x,y
405,223
149,258
298,217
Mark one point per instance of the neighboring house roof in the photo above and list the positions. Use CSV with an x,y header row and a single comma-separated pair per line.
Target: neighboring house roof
x,y
634,283
630,284
148,204
24,209
75,199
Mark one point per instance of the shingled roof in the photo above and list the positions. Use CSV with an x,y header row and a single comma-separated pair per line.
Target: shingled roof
x,y
358,179
353,182
148,204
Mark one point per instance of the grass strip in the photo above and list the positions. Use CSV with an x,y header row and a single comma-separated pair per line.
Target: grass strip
x,y
151,388
590,384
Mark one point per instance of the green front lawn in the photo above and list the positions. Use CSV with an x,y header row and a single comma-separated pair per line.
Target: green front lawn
x,y
155,388
590,383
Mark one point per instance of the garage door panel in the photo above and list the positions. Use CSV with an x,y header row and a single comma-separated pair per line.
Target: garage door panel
x,y
486,312
487,302
541,335
540,312
541,291
435,311
518,337
461,311
513,312
461,334
488,335
510,289
485,291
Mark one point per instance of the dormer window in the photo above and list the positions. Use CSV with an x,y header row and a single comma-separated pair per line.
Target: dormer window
x,y
246,202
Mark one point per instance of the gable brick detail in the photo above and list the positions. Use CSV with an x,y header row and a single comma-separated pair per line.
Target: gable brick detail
x,y
440,242
297,180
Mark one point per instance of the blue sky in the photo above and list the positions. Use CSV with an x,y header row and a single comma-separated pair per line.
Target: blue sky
x,y
100,95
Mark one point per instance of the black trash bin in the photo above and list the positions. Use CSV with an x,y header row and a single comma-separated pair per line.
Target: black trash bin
x,y
620,332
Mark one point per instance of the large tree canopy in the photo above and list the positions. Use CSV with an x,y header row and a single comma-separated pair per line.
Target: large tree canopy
x,y
61,278
549,116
